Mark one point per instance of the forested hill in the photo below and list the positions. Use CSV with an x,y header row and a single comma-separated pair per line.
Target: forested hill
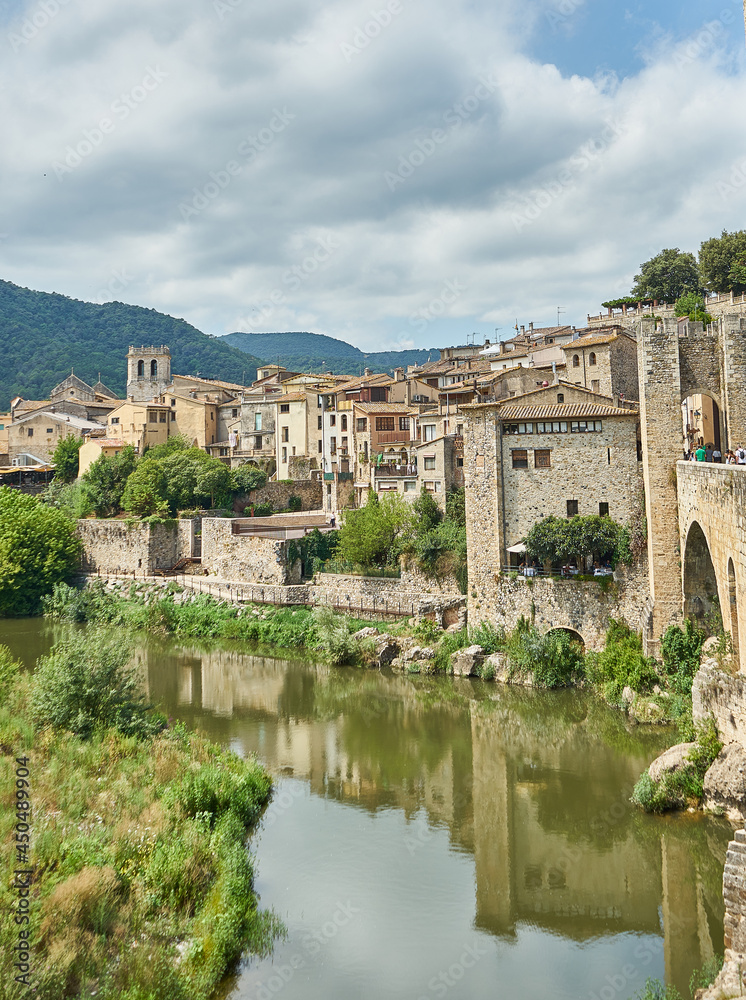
x,y
43,336
315,352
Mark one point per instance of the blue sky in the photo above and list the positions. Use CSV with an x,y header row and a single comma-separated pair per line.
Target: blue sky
x,y
403,173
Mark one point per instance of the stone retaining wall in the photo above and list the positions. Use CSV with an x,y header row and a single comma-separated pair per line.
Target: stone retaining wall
x,y
278,494
245,558
373,593
556,603
113,546
723,696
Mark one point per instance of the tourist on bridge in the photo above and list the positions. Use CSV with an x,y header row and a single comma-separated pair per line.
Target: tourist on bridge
x,y
717,454
700,453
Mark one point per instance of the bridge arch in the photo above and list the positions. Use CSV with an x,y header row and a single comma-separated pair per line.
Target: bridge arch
x,y
571,632
700,580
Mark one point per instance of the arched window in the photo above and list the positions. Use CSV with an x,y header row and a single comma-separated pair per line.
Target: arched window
x,y
140,369
591,358
154,369
344,421
575,361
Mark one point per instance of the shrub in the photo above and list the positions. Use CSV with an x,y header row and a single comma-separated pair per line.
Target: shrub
x,y
553,660
85,684
335,636
491,639
263,510
427,631
681,650
621,664
676,788
294,502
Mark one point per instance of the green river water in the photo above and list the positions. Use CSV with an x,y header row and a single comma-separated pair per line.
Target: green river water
x,y
445,838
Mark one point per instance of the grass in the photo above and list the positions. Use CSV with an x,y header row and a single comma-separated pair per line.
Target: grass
x,y
142,884
677,789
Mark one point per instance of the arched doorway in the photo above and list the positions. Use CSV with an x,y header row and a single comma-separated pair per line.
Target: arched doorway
x,y
571,634
700,583
733,611
700,416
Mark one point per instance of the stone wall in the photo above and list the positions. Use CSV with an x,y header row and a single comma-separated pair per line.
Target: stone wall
x,y
309,490
113,546
246,557
723,696
373,594
556,603
730,981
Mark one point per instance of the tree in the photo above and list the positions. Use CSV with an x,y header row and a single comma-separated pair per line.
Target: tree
x,y
247,478
145,491
545,540
104,482
555,539
38,548
369,536
667,276
456,506
213,480
722,262
66,458
427,512
693,305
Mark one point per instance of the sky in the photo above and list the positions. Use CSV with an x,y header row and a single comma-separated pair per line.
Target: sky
x,y
398,173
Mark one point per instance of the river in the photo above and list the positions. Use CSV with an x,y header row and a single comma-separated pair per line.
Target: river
x,y
432,837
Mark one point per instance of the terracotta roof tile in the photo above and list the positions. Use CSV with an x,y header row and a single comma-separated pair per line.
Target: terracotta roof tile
x,y
559,411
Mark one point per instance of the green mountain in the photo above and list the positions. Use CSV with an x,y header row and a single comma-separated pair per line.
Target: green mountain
x,y
313,352
43,336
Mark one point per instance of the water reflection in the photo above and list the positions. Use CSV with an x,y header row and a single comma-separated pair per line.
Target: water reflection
x,y
532,788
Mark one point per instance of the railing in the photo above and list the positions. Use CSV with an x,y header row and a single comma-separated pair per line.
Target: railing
x,y
394,437
394,471
558,574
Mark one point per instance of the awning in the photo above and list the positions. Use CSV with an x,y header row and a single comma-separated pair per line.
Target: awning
x,y
520,548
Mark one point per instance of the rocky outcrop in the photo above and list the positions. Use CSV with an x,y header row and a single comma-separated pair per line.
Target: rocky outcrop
x,y
670,761
730,982
725,783
466,662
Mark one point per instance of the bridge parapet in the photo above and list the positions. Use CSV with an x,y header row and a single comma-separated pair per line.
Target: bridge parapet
x,y
712,528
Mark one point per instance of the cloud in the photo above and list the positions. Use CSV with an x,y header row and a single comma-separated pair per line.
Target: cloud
x,y
208,149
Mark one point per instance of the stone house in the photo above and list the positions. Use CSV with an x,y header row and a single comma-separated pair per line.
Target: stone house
x,y
96,446
140,424
38,433
604,361
534,456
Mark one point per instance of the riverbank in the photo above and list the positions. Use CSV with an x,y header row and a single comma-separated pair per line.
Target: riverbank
x,y
127,836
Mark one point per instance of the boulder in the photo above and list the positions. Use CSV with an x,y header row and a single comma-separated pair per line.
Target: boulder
x,y
628,695
670,760
465,661
725,783
710,647
387,649
365,633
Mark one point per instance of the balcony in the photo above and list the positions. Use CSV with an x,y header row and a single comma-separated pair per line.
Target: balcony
x,y
394,472
394,437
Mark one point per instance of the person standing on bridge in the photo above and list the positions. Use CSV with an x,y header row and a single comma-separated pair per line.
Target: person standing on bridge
x,y
700,453
717,454
741,455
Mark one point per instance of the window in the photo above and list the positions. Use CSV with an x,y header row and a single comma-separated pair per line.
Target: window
x,y
362,424
572,508
591,358
575,361
162,416
141,369
344,421
560,397
333,420
438,486
603,509
321,446
428,432
115,420
284,407
285,433
542,458
459,463
257,421
429,464
595,383
212,415
520,458
50,430
173,402
585,426
152,416
333,445
258,442
410,486
430,487
518,428
318,403
551,427
30,432
403,423
384,423
319,423
223,451
234,412
284,455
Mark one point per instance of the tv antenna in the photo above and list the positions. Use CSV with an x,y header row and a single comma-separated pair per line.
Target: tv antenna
x,y
559,310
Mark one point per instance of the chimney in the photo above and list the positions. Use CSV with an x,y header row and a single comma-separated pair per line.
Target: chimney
x,y
530,327
523,328
367,372
399,374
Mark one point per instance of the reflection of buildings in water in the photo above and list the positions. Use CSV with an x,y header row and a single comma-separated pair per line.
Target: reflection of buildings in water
x,y
542,806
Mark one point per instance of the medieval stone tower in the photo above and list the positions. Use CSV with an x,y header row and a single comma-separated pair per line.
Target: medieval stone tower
x,y
148,372
675,363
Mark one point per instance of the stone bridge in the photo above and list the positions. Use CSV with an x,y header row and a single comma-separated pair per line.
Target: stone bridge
x,y
712,528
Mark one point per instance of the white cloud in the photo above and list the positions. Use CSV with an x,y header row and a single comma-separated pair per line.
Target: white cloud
x,y
281,127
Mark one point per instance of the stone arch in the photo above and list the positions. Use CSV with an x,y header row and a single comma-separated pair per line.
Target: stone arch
x,y
709,418
154,369
700,581
571,632
576,361
141,369
592,358
731,617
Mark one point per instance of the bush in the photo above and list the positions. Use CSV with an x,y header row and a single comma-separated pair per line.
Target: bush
x,y
335,636
552,660
491,639
681,650
294,502
263,510
621,664
85,685
675,789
